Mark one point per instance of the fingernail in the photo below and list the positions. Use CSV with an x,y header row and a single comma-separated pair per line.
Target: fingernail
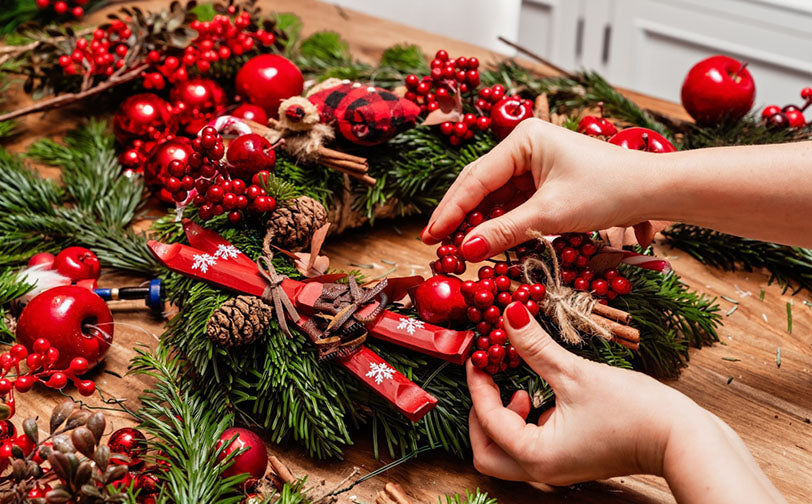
x,y
517,315
475,249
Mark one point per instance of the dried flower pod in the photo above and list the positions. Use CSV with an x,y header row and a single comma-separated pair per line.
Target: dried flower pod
x,y
45,451
17,452
5,411
102,456
18,469
96,423
57,496
31,430
60,413
83,473
59,465
115,472
33,470
77,418
83,440
91,491
63,443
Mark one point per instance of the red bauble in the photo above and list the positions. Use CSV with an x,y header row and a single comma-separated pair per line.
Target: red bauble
x,y
509,112
197,101
439,300
128,442
156,168
596,126
147,484
144,116
249,154
64,316
7,430
267,79
642,139
251,112
43,259
77,263
717,88
253,461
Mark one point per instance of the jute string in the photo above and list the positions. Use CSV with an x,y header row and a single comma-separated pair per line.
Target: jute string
x,y
569,309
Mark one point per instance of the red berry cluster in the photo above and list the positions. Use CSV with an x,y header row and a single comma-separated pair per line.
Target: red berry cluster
x,y
102,55
488,97
61,7
449,261
446,78
218,39
465,129
39,364
574,252
789,116
204,178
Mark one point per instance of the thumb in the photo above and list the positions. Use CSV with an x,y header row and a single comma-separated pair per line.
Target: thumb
x,y
497,235
538,349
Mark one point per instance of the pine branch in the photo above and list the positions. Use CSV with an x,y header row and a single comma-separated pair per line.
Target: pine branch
x,y
475,497
749,130
791,267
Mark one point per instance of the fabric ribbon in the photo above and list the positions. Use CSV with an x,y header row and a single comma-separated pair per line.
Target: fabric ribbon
x,y
571,310
275,295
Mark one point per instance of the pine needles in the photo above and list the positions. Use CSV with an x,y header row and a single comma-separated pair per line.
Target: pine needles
x,y
790,267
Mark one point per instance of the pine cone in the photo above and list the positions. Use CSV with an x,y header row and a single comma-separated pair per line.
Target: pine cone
x,y
239,321
291,227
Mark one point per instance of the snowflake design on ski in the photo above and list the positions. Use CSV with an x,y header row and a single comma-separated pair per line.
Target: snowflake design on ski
x,y
410,325
380,372
227,252
203,261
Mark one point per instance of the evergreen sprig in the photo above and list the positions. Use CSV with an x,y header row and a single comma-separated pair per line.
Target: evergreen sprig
x,y
790,266
475,497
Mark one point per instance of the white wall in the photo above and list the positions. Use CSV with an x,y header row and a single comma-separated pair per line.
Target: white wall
x,y
477,22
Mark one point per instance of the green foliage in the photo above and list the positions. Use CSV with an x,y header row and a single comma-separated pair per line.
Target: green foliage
x,y
750,130
183,426
791,267
477,497
11,287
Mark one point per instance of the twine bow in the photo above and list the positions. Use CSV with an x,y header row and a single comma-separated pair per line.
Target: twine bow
x,y
359,297
571,310
275,295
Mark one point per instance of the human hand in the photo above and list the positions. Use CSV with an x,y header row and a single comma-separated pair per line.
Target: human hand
x,y
606,422
576,183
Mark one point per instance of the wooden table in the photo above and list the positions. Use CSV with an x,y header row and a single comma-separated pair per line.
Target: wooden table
x,y
768,406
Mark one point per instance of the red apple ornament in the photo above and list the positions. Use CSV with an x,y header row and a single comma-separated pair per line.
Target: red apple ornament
x,y
509,112
77,263
718,88
596,125
253,461
251,112
73,319
249,154
642,139
439,301
267,79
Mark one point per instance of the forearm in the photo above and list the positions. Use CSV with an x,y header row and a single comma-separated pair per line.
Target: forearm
x,y
762,192
706,462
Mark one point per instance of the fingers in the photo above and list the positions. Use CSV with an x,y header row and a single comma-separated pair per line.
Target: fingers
x,y
482,177
520,403
549,359
489,458
497,235
504,426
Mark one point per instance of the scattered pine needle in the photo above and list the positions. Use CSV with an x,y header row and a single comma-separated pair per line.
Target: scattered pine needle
x,y
764,316
761,296
778,357
730,311
731,359
729,380
730,300
789,318
365,266
807,303
390,263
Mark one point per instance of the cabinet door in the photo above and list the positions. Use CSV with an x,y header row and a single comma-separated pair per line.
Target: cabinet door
x,y
553,29
655,42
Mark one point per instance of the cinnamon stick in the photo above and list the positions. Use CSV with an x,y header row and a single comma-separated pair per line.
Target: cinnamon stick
x,y
332,153
612,313
624,335
280,473
361,169
363,177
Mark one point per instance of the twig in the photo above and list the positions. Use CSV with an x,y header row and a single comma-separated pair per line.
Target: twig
x,y
68,98
530,54
335,491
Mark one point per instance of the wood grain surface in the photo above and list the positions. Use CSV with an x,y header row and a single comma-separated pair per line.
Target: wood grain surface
x,y
769,406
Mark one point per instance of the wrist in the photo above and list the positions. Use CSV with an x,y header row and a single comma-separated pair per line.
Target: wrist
x,y
646,183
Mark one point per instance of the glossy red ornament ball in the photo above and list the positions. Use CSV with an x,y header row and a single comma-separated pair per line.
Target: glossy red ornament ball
x,y
198,101
718,88
267,79
128,442
156,169
7,430
77,263
250,154
253,461
251,112
642,139
439,300
75,321
144,116
508,113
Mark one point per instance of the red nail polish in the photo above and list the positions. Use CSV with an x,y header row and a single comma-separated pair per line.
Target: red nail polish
x,y
517,315
476,249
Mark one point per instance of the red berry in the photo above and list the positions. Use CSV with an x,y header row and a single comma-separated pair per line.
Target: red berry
x,y
79,365
447,128
86,387
473,315
479,359
483,123
504,298
57,381
600,287
60,7
502,283
483,298
172,184
485,272
483,327
449,264
512,353
532,307
537,292
496,354
5,386
492,314
483,342
19,352
770,111
568,255
215,194
587,274
501,269
521,295
412,81
498,337
621,285
580,284
488,283
24,383
581,261
460,129
34,361
610,273
575,239
475,219
234,216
